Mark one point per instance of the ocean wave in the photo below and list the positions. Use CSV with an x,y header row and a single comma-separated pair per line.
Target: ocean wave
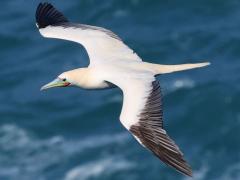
x,y
176,84
232,172
98,168
199,174
23,156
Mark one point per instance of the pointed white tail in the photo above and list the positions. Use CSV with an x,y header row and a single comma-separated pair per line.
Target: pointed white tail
x,y
163,69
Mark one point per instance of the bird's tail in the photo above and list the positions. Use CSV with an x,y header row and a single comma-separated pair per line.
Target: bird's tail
x,y
163,69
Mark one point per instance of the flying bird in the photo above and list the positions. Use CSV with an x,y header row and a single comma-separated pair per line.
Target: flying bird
x,y
114,65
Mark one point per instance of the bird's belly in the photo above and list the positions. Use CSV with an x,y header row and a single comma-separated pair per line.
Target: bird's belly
x,y
95,81
100,85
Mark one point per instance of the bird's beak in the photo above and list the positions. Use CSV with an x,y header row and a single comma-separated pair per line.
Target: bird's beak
x,y
55,83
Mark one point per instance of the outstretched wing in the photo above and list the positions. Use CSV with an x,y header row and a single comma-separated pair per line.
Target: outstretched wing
x,y
101,44
142,116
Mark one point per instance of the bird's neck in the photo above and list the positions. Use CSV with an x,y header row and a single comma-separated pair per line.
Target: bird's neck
x,y
86,78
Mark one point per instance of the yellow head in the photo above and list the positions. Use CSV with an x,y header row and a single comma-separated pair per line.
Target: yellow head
x,y
69,78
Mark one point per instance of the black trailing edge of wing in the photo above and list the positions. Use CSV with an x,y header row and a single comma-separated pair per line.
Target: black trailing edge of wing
x,y
47,15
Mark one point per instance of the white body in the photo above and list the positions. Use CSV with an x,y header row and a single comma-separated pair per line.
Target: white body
x,y
114,63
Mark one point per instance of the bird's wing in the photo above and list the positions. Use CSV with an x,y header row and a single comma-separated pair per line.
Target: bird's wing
x,y
142,116
101,44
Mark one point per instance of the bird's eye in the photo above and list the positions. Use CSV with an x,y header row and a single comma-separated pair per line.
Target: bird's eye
x,y
64,79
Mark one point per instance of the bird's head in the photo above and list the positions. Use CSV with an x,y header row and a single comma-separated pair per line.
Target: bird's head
x,y
63,80
76,77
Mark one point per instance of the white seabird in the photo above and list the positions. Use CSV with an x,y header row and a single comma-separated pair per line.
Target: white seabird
x,y
114,64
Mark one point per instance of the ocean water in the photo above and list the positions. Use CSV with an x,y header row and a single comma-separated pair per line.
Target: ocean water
x,y
74,134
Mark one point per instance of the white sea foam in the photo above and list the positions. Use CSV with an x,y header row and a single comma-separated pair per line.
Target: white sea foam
x,y
232,172
183,83
23,156
177,84
96,141
199,175
97,168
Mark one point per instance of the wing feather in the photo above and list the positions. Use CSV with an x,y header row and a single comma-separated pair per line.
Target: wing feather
x,y
102,45
148,128
142,107
47,15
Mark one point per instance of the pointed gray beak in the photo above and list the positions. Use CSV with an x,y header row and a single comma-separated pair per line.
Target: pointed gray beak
x,y
55,83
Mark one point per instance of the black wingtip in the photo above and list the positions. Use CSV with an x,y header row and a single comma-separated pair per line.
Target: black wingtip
x,y
47,15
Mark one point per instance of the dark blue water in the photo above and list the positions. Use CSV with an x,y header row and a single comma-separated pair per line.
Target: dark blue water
x,y
73,134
